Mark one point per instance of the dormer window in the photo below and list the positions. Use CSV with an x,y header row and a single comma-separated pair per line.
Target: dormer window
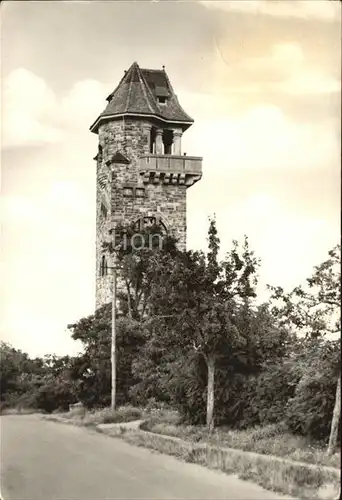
x,y
162,94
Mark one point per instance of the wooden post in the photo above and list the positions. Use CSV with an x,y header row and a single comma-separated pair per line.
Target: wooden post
x,y
113,343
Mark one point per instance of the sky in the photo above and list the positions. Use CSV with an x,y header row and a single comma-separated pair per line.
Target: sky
x,y
262,80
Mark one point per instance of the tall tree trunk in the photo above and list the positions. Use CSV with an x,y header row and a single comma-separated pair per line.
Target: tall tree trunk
x,y
210,394
335,419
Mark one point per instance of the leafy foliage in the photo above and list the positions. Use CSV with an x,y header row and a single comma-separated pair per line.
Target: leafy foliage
x,y
309,410
92,370
191,336
315,311
40,383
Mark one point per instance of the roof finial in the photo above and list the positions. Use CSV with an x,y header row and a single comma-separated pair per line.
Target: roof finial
x,y
125,71
163,68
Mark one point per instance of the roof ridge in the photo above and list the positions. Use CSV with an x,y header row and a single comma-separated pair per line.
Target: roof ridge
x,y
131,69
169,83
174,95
118,85
154,70
145,86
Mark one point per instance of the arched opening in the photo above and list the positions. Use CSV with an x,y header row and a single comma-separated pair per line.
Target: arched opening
x,y
103,266
100,154
103,210
153,140
149,232
167,141
146,222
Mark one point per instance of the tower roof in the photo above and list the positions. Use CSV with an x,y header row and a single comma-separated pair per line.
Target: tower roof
x,y
137,95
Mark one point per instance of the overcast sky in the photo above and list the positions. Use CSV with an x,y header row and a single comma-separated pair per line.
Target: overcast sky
x,y
260,78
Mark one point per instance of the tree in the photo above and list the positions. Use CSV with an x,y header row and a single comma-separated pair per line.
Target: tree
x,y
134,258
92,369
315,311
39,383
194,302
14,362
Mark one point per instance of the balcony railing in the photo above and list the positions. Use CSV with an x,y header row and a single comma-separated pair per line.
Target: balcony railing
x,y
190,165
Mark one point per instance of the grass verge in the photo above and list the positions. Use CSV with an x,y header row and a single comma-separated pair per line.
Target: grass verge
x,y
21,411
81,416
304,481
269,440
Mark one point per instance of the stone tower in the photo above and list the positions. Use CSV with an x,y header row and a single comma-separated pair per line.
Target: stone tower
x,y
141,172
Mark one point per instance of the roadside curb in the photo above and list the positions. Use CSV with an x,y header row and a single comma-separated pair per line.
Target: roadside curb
x,y
288,477
249,465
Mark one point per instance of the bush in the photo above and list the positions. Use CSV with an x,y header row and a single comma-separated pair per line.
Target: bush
x,y
91,371
107,415
4,405
265,396
310,411
123,414
187,388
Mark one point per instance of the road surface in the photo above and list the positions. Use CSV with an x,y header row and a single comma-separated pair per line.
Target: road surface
x,y
44,460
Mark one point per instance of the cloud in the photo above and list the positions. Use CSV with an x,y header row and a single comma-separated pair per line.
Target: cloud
x,y
261,137
33,115
84,102
323,10
49,255
311,81
281,67
249,71
287,74
61,199
28,109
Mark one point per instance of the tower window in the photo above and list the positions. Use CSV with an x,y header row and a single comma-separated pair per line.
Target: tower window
x,y
100,154
167,141
104,210
140,192
162,94
128,192
103,266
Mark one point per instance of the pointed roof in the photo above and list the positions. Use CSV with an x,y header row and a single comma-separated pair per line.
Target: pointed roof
x,y
137,95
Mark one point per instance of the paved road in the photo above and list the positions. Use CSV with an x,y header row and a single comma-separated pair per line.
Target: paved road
x,y
44,460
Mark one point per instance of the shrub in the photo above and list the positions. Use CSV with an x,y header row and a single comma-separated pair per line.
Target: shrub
x,y
309,412
108,416
265,395
122,414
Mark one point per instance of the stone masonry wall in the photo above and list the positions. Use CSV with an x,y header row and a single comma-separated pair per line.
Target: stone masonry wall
x,y
131,138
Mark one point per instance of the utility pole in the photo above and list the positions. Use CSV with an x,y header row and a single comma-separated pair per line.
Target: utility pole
x,y
113,339
113,343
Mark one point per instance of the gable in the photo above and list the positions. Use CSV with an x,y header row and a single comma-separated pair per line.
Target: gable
x,y
118,157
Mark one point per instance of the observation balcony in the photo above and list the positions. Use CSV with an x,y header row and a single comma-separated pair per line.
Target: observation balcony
x,y
170,169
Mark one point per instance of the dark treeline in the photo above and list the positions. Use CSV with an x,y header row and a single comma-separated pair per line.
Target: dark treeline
x,y
192,335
